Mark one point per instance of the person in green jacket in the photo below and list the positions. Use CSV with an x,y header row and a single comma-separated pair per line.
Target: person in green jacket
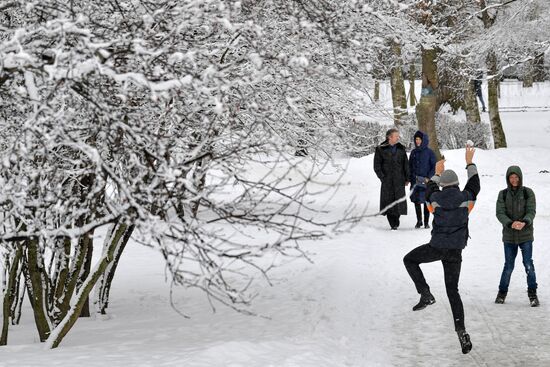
x,y
516,209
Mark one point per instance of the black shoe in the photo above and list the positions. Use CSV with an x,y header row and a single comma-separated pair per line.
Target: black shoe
x,y
484,110
394,228
464,339
425,300
427,226
418,225
533,299
501,296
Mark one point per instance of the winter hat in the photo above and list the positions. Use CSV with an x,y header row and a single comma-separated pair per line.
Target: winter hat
x,y
419,134
448,178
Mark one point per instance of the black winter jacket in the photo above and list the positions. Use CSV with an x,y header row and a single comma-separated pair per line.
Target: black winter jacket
x,y
451,208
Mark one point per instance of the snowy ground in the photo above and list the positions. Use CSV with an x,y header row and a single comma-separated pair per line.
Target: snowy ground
x,y
513,96
352,307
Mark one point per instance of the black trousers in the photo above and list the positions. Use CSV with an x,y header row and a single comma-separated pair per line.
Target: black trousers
x,y
418,210
451,260
393,220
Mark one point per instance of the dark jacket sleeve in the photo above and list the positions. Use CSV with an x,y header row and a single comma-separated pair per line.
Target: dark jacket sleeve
x,y
412,174
473,185
530,207
378,163
431,187
501,211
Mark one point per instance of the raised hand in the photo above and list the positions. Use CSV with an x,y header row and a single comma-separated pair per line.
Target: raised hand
x,y
469,154
440,167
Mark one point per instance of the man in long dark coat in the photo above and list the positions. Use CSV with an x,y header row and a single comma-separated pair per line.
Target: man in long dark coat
x,y
392,168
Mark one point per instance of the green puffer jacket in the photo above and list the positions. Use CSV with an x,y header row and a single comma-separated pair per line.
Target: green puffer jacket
x,y
520,205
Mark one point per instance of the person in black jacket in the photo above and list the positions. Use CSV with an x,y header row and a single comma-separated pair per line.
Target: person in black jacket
x,y
392,168
451,208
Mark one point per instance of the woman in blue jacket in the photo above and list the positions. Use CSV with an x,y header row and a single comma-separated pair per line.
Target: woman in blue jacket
x,y
421,169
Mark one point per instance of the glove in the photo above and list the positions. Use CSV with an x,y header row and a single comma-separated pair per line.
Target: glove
x,y
421,181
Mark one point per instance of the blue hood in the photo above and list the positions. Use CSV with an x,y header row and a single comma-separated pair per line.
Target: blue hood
x,y
424,137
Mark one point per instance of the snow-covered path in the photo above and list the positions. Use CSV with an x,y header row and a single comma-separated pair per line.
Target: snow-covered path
x,y
389,333
352,307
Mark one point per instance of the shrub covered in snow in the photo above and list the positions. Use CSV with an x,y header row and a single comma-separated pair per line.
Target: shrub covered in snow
x,y
361,138
453,132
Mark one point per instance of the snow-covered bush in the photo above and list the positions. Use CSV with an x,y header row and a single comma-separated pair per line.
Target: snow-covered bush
x,y
170,122
452,133
361,138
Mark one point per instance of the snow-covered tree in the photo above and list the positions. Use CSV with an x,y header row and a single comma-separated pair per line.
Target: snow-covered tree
x,y
170,122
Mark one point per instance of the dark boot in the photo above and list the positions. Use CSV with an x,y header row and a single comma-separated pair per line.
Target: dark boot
x,y
418,210
533,299
501,296
464,339
426,299
393,220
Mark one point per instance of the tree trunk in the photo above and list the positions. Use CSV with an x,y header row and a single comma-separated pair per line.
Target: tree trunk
x,y
104,287
63,303
487,19
11,293
62,268
471,106
493,84
71,317
376,91
539,74
494,115
473,118
88,241
528,74
426,107
36,288
399,97
412,77
425,114
18,302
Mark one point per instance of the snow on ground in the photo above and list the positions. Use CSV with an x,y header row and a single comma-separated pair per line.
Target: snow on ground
x,y
352,307
513,96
